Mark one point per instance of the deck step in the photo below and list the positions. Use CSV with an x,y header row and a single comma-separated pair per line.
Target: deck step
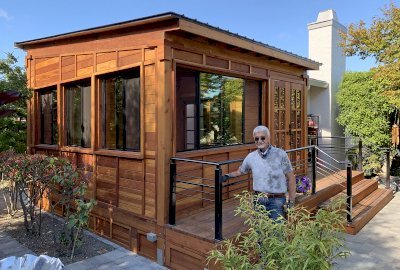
x,y
367,208
326,188
360,190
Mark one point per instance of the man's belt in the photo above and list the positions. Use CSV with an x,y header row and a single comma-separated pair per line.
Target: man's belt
x,y
271,195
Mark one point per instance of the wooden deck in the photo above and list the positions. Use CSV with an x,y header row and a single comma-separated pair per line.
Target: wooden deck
x,y
193,234
202,224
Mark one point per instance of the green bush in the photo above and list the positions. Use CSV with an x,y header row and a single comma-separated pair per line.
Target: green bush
x,y
304,242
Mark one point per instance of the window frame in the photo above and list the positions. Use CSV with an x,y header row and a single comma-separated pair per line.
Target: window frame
x,y
197,103
99,114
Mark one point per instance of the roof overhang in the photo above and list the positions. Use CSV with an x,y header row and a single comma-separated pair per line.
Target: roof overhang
x,y
318,83
191,26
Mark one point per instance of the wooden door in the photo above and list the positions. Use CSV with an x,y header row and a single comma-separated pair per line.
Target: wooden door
x,y
289,116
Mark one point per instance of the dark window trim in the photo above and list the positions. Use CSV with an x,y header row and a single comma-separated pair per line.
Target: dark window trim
x,y
198,103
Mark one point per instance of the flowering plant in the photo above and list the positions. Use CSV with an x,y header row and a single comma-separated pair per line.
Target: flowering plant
x,y
303,184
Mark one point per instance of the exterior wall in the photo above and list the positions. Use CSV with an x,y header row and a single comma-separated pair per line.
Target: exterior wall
x,y
324,39
124,183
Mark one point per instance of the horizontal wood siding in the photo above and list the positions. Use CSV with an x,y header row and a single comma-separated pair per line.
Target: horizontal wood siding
x,y
129,57
47,71
84,65
67,67
106,183
106,61
131,185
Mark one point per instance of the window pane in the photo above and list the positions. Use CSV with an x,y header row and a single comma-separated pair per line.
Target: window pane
x,y
48,117
74,115
78,107
121,111
132,111
86,116
221,99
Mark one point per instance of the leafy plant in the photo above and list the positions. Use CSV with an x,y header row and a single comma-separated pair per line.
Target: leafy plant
x,y
70,185
303,241
364,111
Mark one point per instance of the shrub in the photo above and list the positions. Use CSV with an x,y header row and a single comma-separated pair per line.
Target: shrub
x,y
302,242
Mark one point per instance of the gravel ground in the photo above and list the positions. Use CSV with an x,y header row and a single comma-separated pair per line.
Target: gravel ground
x,y
44,243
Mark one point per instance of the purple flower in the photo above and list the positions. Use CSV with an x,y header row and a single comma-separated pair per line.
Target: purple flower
x,y
303,184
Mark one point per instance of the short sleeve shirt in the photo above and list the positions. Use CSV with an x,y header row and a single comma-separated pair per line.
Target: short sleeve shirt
x,y
269,172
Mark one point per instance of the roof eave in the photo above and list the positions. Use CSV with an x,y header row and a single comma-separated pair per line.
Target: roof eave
x,y
151,19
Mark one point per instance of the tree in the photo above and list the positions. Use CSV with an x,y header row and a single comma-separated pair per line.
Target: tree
x,y
364,111
382,42
13,127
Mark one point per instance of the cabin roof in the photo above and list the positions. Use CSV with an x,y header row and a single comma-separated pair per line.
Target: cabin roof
x,y
188,25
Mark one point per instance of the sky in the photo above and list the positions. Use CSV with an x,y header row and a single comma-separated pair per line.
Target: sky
x,y
279,23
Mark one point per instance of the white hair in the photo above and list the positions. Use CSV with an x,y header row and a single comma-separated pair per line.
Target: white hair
x,y
263,129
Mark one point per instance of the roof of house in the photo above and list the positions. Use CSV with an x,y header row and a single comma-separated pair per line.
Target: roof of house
x,y
188,25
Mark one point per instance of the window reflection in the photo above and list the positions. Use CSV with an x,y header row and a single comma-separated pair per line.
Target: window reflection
x,y
120,94
78,114
48,116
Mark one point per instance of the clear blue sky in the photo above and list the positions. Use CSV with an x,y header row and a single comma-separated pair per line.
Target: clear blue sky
x,y
280,23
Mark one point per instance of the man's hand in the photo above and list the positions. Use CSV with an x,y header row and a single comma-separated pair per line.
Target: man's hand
x,y
290,204
225,178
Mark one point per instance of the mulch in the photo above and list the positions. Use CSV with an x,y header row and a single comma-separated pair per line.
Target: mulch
x,y
45,242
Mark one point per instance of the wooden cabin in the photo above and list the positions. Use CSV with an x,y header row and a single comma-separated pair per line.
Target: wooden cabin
x,y
120,100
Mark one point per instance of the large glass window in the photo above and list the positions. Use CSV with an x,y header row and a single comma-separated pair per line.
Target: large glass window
x,y
215,110
120,111
78,113
48,116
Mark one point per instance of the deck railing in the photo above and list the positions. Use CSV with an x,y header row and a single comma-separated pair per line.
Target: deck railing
x,y
311,161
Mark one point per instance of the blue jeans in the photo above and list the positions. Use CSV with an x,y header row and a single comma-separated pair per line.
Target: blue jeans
x,y
274,205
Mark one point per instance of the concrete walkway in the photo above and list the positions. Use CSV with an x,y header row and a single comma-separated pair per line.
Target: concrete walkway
x,y
119,258
377,245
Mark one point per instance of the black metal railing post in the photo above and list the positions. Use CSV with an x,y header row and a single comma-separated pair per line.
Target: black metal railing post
x,y
360,159
314,169
218,203
388,168
349,192
172,192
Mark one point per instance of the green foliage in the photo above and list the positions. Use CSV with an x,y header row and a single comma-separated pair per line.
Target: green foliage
x,y
364,112
13,127
33,177
71,184
303,242
382,42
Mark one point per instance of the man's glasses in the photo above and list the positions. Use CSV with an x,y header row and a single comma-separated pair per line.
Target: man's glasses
x,y
256,139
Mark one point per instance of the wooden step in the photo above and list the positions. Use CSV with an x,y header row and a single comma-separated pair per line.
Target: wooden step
x,y
326,188
367,208
360,190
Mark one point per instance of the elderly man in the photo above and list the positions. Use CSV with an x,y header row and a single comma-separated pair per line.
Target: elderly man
x,y
272,174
